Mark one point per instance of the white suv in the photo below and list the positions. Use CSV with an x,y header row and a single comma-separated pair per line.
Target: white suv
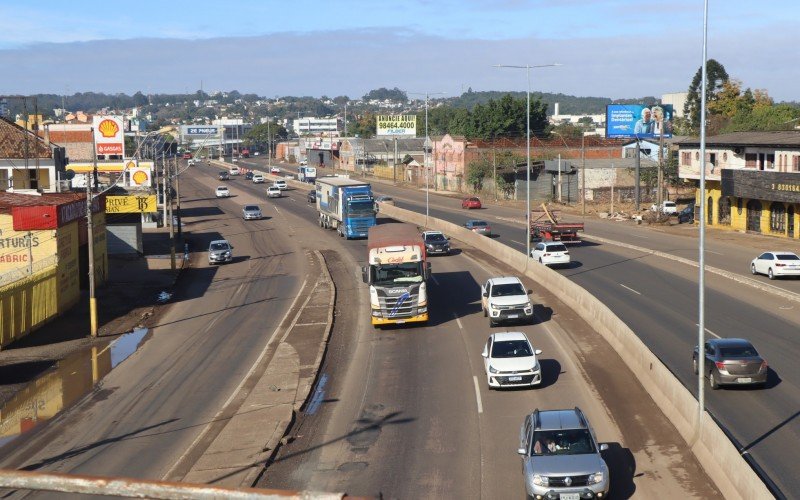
x,y
506,299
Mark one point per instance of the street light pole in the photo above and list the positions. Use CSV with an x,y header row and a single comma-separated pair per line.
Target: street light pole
x,y
425,146
527,69
701,323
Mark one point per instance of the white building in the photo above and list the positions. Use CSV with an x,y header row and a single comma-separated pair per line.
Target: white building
x,y
678,101
310,125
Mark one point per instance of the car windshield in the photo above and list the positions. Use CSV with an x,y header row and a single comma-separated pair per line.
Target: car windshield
x,y
479,223
563,442
219,246
474,199
222,189
251,208
507,290
555,248
407,272
435,238
743,351
511,349
787,256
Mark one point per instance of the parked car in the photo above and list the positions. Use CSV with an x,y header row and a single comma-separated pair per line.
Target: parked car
x,y
187,156
686,214
471,202
561,456
223,192
479,226
436,242
775,264
274,170
551,253
667,208
731,362
274,192
224,175
234,160
249,175
311,197
281,185
509,360
388,200
256,153
258,178
251,212
220,251
303,163
506,299
191,161
235,171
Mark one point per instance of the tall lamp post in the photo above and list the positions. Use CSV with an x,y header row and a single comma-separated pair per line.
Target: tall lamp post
x,y
701,320
527,69
426,146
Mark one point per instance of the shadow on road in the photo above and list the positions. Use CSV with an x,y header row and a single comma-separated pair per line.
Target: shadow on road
x,y
621,470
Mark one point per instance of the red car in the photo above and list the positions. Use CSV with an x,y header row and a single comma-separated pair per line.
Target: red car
x,y
187,156
471,203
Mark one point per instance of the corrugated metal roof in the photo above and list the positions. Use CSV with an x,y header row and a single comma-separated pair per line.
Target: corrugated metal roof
x,y
782,138
8,200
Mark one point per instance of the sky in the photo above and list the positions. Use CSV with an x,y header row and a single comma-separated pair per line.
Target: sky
x,y
619,49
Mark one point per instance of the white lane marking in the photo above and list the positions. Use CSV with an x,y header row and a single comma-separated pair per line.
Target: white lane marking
x,y
715,253
458,321
709,331
478,394
276,209
517,242
629,288
639,235
435,280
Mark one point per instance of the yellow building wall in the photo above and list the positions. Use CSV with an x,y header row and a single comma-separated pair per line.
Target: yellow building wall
x,y
17,247
68,267
27,304
739,217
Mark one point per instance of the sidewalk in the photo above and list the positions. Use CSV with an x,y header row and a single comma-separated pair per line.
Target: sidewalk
x,y
126,301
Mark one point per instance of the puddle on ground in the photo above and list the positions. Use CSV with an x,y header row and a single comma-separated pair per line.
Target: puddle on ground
x,y
64,384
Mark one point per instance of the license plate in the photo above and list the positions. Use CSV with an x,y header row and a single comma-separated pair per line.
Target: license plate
x,y
744,380
570,496
512,316
514,379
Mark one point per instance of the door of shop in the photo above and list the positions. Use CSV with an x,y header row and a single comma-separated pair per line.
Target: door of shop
x,y
754,216
790,222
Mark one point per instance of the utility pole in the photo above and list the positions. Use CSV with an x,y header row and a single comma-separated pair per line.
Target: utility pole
x,y
394,162
178,194
638,164
583,175
494,168
163,186
559,177
660,180
90,242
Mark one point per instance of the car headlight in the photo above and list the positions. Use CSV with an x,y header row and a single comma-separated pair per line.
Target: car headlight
x,y
492,369
540,480
227,254
373,298
596,478
493,306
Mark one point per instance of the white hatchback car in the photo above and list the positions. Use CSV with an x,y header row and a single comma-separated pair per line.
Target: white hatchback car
x,y
551,253
775,264
223,192
281,185
274,192
509,360
258,178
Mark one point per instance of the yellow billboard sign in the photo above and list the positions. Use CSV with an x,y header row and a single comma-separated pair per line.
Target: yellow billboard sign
x,y
131,204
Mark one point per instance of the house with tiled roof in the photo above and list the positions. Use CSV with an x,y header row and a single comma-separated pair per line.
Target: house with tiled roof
x,y
27,161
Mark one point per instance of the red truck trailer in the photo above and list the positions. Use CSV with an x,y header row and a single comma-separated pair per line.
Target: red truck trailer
x,y
546,225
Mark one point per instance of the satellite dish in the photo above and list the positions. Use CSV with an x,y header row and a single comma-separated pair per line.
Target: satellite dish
x,y
69,174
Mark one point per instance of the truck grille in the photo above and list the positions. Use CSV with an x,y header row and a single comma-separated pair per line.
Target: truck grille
x,y
400,306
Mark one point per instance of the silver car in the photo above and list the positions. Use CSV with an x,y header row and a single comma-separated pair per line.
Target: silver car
x,y
251,212
479,227
561,457
220,251
732,362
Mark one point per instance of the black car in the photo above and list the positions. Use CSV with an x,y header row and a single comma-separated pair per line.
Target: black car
x,y
248,176
436,242
224,175
731,362
312,196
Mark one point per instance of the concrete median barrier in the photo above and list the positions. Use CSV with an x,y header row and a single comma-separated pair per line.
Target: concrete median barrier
x,y
717,454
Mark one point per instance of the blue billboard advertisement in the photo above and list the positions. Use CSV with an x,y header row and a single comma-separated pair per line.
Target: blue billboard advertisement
x,y
638,121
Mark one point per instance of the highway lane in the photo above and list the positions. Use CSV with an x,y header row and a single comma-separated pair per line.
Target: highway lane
x,y
149,409
659,302
401,416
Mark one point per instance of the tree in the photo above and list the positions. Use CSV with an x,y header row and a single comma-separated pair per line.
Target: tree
x,y
478,170
365,126
716,77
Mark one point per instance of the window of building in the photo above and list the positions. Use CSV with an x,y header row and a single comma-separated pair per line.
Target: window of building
x,y
710,207
725,156
796,163
686,159
777,217
724,210
751,160
769,161
697,155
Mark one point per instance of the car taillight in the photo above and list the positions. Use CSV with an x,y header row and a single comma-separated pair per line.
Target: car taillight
x,y
720,365
763,367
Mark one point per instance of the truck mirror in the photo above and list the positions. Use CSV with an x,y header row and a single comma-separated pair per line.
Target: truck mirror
x,y
427,270
485,294
365,274
530,292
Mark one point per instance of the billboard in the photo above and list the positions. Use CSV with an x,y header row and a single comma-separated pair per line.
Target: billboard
x,y
638,121
131,204
397,125
202,131
109,136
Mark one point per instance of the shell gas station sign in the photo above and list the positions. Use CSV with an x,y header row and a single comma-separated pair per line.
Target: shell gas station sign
x,y
109,135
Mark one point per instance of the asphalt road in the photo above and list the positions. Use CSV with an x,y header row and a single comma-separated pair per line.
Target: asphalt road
x,y
148,410
406,413
658,299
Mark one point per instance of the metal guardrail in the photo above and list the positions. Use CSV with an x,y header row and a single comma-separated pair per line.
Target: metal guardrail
x,y
24,272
